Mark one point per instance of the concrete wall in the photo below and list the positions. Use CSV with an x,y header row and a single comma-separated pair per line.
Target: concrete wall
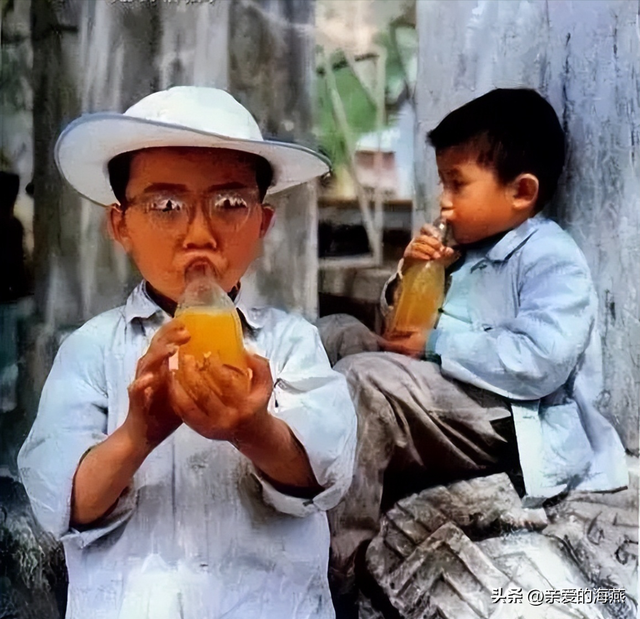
x,y
16,124
271,72
583,57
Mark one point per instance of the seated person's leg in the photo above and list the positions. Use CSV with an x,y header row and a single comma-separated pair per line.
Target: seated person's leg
x,y
415,429
344,335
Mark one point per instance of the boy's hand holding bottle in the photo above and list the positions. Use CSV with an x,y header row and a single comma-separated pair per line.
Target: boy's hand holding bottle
x,y
220,401
219,389
420,293
428,245
197,371
151,418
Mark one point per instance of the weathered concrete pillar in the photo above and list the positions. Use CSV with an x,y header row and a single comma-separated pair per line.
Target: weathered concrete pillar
x,y
583,57
271,47
101,56
55,102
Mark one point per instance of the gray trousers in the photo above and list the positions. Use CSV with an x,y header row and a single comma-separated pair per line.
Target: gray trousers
x,y
416,428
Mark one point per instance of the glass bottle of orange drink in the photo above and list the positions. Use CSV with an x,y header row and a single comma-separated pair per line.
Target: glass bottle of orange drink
x,y
211,319
420,293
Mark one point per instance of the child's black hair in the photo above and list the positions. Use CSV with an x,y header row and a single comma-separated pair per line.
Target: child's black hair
x,y
119,168
513,131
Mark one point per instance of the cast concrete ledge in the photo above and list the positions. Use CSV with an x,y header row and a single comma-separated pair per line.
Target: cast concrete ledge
x,y
471,551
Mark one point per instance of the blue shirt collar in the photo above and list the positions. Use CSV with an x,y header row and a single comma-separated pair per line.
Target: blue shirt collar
x,y
514,239
140,305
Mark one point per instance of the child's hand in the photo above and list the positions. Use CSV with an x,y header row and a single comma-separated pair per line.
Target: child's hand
x,y
150,418
412,344
220,401
426,245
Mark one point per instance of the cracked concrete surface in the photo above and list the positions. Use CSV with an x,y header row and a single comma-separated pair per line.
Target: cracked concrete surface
x,y
470,550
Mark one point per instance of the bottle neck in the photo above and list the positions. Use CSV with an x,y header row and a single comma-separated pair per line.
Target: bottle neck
x,y
170,306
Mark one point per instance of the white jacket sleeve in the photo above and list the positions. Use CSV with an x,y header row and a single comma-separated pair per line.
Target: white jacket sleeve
x,y
314,401
71,419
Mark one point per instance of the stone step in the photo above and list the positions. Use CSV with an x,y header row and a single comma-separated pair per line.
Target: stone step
x,y
471,550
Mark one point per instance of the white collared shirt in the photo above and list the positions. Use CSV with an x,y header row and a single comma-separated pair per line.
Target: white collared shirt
x,y
198,534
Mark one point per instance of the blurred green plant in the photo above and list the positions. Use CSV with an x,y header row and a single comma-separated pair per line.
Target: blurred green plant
x,y
359,106
353,83
401,44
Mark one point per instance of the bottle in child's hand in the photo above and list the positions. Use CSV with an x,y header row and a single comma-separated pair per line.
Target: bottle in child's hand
x,y
419,295
211,319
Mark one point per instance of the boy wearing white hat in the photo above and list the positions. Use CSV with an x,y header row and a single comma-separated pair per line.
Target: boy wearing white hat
x,y
173,497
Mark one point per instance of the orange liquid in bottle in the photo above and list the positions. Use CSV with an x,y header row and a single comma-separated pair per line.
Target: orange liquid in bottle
x,y
213,332
420,294
420,297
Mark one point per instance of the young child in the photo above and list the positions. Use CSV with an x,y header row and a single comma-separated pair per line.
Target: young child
x,y
513,375
201,495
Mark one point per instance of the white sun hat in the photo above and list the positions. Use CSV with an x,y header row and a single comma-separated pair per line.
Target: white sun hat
x,y
179,116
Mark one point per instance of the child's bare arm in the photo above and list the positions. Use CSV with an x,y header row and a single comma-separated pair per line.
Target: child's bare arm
x,y
107,469
103,474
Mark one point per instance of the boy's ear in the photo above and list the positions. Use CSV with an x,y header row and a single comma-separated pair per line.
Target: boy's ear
x,y
524,191
117,226
267,218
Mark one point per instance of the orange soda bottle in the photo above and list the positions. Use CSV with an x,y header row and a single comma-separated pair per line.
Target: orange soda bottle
x,y
420,293
211,319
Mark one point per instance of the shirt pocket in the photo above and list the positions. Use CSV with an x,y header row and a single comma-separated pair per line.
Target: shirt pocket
x,y
492,295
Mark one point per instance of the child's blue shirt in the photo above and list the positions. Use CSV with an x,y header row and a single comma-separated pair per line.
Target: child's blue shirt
x,y
519,320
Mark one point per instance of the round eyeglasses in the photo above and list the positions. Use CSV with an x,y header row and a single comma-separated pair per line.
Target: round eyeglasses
x,y
175,210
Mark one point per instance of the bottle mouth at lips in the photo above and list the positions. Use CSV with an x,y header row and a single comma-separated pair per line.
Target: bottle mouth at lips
x,y
444,229
211,319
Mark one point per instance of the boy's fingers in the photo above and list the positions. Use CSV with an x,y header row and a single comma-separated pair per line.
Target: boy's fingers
x,y
227,380
139,389
260,369
429,230
205,373
172,333
413,247
425,247
187,409
421,253
424,239
142,382
191,378
164,344
154,358
428,243
195,383
428,248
